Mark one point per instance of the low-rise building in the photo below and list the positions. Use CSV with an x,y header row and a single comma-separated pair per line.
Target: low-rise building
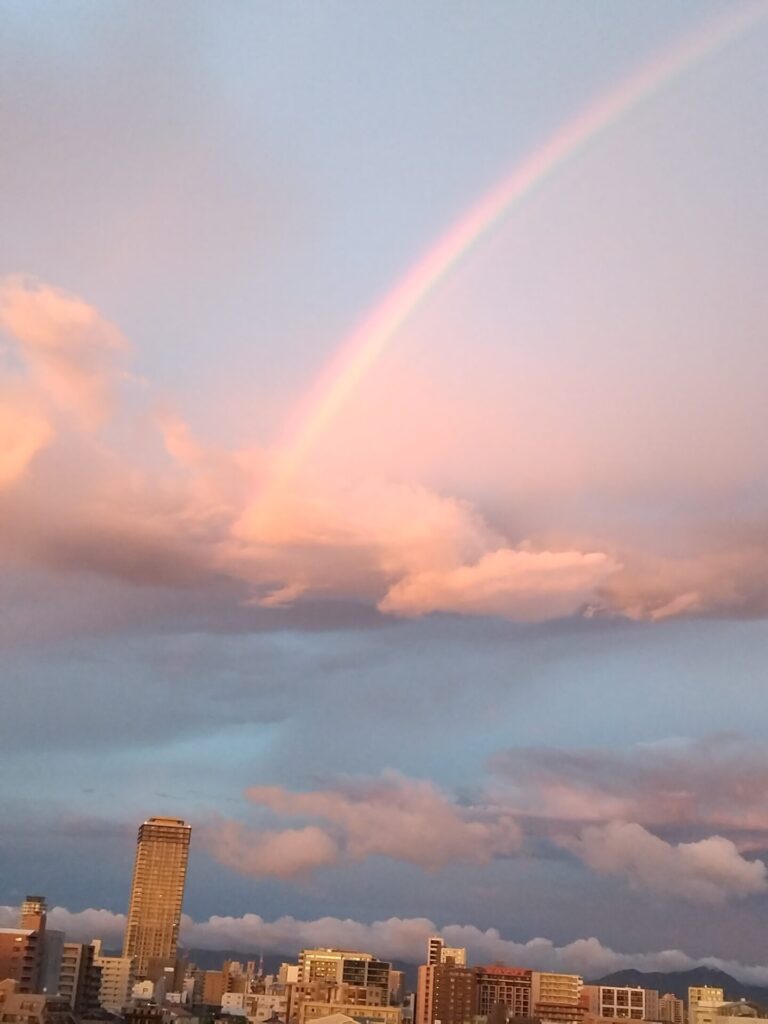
x,y
264,1006
17,1007
712,994
626,1002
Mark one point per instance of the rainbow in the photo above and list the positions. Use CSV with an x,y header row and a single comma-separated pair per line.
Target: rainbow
x,y
359,351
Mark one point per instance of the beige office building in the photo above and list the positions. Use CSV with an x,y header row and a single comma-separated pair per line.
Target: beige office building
x,y
157,894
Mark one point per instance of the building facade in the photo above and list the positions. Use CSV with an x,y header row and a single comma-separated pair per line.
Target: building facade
x,y
345,966
79,978
25,1008
22,949
445,993
116,979
557,997
311,1011
623,1002
157,893
704,994
511,987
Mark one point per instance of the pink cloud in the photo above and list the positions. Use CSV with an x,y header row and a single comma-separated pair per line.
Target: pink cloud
x,y
708,871
520,584
69,348
168,510
279,854
24,431
406,819
715,581
714,782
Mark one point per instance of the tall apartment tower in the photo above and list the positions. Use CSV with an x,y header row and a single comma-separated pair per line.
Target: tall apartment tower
x,y
157,894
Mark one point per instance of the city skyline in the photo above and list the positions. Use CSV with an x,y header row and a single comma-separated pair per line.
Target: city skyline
x,y
48,979
383,473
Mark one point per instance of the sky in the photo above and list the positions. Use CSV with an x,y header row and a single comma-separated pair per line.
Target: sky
x,y
428,585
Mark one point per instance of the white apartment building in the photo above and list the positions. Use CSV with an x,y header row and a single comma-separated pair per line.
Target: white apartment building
x,y
117,979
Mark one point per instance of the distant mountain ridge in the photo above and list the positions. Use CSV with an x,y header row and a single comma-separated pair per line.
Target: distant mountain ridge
x,y
678,982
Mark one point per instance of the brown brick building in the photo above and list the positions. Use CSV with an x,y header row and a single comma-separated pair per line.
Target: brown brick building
x,y
446,993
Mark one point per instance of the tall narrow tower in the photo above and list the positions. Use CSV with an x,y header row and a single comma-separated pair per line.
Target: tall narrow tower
x,y
157,893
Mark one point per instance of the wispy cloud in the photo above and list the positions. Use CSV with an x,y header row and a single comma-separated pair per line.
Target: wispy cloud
x,y
715,782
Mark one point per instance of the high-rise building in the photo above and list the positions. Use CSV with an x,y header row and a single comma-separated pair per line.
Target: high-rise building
x,y
446,993
157,894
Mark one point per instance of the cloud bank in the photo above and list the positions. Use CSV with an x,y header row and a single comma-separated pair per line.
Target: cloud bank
x,y
395,938
708,871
